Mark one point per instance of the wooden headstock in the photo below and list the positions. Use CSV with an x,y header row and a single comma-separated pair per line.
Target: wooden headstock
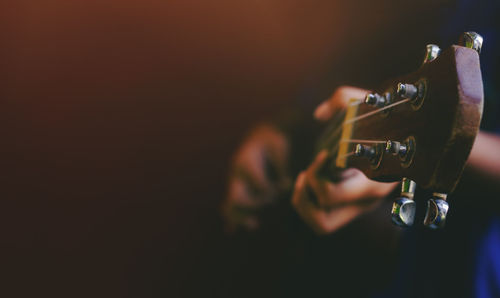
x,y
435,113
418,128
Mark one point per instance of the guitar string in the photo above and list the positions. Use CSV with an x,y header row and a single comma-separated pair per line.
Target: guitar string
x,y
366,114
334,149
346,155
332,131
362,141
334,123
376,111
339,127
336,119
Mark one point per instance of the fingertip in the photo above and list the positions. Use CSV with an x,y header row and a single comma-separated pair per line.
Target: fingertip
x,y
322,155
318,162
300,180
323,112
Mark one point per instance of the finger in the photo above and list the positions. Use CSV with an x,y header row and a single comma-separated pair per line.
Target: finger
x,y
240,209
352,188
277,160
276,170
315,186
240,196
318,162
338,101
299,195
355,187
324,111
324,221
301,201
250,167
299,184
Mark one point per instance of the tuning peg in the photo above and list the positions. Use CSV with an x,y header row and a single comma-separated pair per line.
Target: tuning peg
x,y
396,148
403,208
471,40
407,90
437,208
366,151
432,51
375,100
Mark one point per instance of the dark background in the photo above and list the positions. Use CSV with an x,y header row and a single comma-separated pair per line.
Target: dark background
x,y
119,118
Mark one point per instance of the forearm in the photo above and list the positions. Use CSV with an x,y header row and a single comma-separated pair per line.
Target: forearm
x,y
484,158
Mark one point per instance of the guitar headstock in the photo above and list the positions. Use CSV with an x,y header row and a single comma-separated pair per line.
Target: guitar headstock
x,y
419,127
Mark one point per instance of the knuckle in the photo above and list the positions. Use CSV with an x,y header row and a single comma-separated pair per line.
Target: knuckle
x,y
341,93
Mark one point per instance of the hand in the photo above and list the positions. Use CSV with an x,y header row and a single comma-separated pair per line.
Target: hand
x,y
259,175
326,206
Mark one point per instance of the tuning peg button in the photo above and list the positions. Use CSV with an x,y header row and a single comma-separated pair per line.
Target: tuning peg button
x,y
471,40
432,51
437,209
403,212
396,148
403,208
366,151
407,90
375,100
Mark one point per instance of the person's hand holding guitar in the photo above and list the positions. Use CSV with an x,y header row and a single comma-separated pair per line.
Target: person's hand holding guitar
x,y
418,129
327,206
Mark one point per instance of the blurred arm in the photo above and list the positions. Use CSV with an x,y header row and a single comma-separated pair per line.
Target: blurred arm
x,y
485,156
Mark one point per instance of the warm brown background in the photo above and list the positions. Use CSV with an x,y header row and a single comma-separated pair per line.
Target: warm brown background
x,y
119,117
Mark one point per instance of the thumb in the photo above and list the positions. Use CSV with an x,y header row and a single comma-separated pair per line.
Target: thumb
x,y
338,101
